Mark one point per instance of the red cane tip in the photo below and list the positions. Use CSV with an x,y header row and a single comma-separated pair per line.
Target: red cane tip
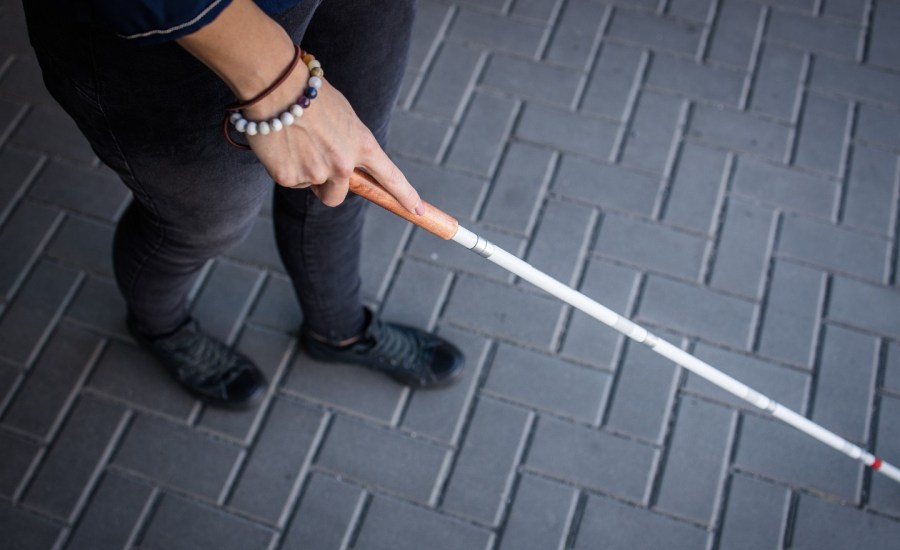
x,y
876,464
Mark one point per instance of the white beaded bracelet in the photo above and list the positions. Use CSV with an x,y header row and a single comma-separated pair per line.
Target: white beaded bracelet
x,y
288,117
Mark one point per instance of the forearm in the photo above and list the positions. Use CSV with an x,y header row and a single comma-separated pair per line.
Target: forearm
x,y
249,51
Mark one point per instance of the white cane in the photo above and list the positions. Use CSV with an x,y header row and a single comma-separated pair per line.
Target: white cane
x,y
445,226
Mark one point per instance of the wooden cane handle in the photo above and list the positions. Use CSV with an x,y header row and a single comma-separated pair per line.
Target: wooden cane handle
x,y
433,220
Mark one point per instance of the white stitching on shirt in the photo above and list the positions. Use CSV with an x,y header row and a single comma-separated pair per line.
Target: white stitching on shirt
x,y
199,16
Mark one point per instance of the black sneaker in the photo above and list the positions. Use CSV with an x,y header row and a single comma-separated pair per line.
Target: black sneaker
x,y
408,355
205,366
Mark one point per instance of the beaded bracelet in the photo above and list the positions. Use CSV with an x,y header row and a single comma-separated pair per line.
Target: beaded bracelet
x,y
234,116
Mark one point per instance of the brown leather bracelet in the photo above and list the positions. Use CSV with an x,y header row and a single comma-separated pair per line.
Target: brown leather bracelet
x,y
298,54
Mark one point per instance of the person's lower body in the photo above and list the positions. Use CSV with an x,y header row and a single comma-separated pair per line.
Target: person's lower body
x,y
153,114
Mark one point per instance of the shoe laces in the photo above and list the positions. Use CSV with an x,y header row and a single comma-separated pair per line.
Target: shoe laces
x,y
397,347
209,358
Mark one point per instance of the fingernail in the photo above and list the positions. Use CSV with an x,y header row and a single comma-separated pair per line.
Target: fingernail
x,y
420,210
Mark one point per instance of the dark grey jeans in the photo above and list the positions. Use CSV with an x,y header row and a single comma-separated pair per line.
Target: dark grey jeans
x,y
153,114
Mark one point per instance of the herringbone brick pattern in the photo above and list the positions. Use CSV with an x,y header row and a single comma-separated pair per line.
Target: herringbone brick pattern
x,y
724,171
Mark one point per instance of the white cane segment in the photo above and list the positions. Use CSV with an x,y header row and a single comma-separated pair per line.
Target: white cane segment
x,y
706,371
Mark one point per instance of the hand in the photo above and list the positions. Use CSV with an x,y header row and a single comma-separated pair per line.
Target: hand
x,y
322,147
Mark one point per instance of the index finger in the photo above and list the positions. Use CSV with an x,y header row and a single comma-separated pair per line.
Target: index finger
x,y
392,179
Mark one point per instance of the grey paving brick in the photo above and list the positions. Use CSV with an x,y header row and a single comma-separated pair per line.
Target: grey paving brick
x,y
535,9
14,37
134,376
270,351
559,240
99,306
112,515
864,305
175,456
791,313
847,9
497,32
276,305
643,395
65,474
821,141
695,189
594,459
753,514
884,44
803,6
424,245
52,381
789,387
659,33
515,197
610,86
540,514
480,138
258,247
777,451
650,245
22,82
49,129
440,415
394,525
270,475
697,10
348,387
86,244
325,515
697,457
846,382
503,310
28,321
817,34
784,187
417,294
740,259
548,383
19,455
454,192
10,378
732,37
821,524
739,131
892,368
885,492
449,81
417,135
486,463
17,168
610,524
383,235
518,76
180,523
26,531
11,113
879,126
566,131
855,80
225,299
82,190
383,458
715,84
696,311
587,339
430,19
648,141
777,79
606,185
21,238
575,32
849,251
868,195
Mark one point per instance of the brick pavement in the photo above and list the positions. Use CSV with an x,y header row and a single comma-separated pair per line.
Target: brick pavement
x,y
726,171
